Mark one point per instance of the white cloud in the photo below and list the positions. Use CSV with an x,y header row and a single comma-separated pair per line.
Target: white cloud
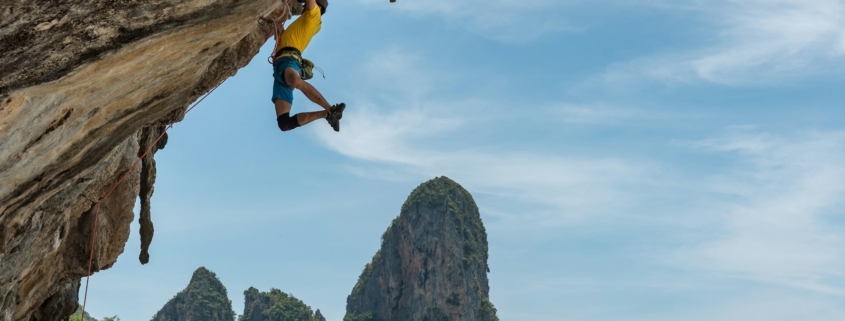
x,y
770,307
757,41
509,21
402,128
599,114
774,198
776,225
377,135
771,202
750,41
413,138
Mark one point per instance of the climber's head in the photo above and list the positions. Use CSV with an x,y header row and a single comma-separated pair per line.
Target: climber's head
x,y
323,4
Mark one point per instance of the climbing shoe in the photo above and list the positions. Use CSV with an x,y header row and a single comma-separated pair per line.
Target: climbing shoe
x,y
334,116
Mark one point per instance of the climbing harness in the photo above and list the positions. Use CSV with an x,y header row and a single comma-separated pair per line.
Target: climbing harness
x,y
306,67
122,178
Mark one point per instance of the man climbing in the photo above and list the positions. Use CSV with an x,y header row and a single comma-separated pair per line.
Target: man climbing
x,y
287,69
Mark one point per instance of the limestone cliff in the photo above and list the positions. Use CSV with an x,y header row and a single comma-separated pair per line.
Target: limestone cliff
x,y
276,306
204,299
432,265
83,85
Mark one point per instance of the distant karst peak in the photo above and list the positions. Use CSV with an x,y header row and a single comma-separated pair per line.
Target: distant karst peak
x,y
432,264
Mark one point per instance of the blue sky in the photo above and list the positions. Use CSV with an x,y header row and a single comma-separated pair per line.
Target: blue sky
x,y
632,160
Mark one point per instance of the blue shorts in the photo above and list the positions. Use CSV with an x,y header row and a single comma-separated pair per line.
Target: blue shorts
x,y
281,90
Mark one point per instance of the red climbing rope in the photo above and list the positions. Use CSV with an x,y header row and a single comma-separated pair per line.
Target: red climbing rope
x,y
97,206
277,28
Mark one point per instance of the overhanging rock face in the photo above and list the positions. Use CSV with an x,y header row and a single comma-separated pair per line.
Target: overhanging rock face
x,y
81,84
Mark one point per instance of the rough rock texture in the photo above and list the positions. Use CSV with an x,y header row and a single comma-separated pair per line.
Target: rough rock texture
x,y
205,299
432,264
276,306
79,83
45,247
62,302
149,135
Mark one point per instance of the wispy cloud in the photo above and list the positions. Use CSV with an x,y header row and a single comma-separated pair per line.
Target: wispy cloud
x,y
601,114
399,73
508,21
777,306
405,129
756,42
776,225
767,217
409,138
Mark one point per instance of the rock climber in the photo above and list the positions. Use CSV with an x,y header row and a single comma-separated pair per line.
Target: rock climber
x,y
287,69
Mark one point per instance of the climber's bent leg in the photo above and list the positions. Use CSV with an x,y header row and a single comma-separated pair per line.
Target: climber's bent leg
x,y
286,78
286,122
292,78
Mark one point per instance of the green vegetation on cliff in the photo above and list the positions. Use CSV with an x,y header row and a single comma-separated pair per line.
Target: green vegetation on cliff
x,y
444,194
276,306
366,273
433,256
205,299
368,316
487,311
75,316
87,317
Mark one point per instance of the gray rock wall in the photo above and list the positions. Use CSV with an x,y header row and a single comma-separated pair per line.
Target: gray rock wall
x,y
432,265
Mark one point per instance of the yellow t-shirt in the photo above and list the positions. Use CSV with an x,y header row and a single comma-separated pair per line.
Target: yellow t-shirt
x,y
298,35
